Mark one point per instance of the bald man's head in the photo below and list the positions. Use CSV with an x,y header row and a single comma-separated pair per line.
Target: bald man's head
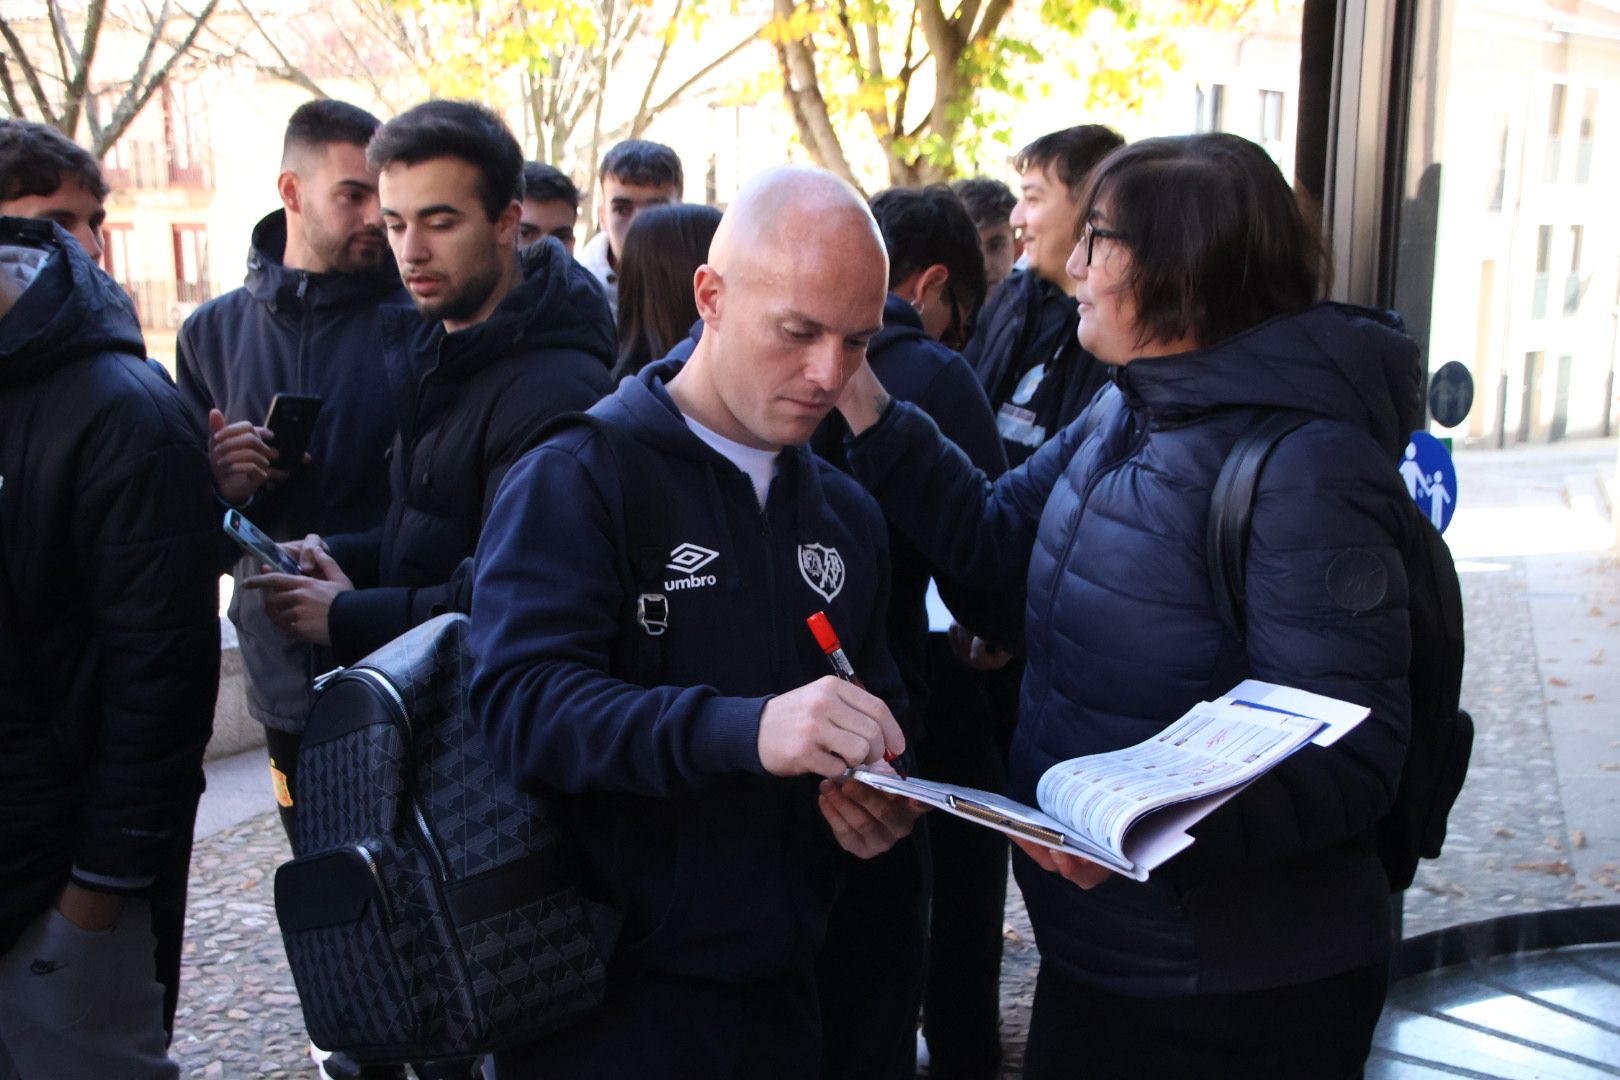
x,y
793,290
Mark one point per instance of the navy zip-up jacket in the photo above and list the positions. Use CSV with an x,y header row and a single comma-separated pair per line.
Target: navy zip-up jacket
x,y
722,871
1108,530
913,367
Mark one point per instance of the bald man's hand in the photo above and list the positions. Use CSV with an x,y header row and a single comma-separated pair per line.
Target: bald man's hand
x,y
824,728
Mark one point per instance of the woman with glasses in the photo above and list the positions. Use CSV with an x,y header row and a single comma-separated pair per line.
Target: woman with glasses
x,y
1262,949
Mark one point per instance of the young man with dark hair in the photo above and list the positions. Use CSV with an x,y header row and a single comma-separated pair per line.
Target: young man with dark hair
x,y
699,802
110,633
872,965
634,175
1032,367
550,206
990,204
45,174
501,346
304,322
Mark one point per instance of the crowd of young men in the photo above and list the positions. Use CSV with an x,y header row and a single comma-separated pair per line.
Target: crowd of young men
x,y
408,281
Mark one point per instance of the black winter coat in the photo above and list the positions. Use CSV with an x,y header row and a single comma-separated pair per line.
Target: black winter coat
x,y
469,405
1107,530
109,632
1029,322
289,331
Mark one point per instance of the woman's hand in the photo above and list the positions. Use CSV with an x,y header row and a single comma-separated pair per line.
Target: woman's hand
x,y
863,400
1083,872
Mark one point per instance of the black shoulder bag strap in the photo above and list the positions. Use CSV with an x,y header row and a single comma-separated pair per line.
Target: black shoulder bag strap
x,y
1231,514
644,545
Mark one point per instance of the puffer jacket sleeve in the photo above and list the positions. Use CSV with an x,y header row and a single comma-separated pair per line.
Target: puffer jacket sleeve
x,y
1327,612
977,533
144,532
561,382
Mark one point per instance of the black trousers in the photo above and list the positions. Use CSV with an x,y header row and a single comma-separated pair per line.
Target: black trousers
x,y
870,971
967,732
668,1027
1319,1030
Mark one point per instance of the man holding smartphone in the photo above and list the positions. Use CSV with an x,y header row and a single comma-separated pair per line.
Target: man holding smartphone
x,y
503,344
294,357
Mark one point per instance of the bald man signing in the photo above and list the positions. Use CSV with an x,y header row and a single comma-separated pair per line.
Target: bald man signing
x,y
704,805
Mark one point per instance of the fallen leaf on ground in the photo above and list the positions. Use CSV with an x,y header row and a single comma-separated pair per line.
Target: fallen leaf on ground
x,y
1610,766
1588,697
1503,831
1556,867
1577,839
1554,843
1596,612
1553,680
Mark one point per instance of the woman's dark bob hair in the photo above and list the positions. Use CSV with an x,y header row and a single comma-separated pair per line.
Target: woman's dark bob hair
x,y
662,250
1217,240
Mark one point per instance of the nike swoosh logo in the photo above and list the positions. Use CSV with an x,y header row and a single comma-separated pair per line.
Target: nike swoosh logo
x,y
44,967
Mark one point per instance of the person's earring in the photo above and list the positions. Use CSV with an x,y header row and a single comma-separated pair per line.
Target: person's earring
x,y
918,304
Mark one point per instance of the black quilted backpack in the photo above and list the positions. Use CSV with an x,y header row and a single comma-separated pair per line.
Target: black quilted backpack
x,y
1442,733
433,909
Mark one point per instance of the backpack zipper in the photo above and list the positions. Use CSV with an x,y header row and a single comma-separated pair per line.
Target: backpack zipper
x,y
392,695
376,877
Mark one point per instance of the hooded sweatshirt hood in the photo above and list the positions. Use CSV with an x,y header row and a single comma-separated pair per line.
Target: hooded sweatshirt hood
x,y
71,310
273,284
556,305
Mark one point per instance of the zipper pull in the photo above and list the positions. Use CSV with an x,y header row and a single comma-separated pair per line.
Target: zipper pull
x,y
303,283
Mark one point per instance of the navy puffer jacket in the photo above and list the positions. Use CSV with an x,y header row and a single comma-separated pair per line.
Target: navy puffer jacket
x,y
1107,528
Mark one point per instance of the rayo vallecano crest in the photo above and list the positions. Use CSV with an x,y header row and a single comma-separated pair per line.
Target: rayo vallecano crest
x,y
823,569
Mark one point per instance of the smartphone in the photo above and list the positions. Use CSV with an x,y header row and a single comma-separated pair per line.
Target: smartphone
x,y
292,418
254,541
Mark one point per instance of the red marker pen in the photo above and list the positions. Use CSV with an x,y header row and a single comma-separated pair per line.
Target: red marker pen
x,y
827,638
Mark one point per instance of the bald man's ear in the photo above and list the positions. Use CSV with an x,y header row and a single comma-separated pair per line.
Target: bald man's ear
x,y
291,195
707,285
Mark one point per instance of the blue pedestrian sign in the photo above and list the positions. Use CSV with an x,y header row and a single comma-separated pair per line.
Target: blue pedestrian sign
x,y
1431,478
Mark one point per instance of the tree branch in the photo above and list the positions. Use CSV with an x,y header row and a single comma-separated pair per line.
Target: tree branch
x,y
135,100
803,88
639,124
83,57
30,74
702,73
14,105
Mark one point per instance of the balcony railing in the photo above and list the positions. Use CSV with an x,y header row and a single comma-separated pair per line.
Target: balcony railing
x,y
164,305
150,164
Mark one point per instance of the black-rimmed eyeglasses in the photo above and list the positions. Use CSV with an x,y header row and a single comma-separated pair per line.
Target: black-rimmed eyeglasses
x,y
1090,234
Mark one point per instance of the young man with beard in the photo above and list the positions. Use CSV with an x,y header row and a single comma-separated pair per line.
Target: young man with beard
x,y
700,803
501,347
305,322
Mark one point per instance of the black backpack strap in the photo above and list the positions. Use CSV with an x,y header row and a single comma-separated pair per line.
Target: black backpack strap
x,y
644,545
1231,514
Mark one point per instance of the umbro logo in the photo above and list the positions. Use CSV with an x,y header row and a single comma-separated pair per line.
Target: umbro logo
x,y
688,559
44,967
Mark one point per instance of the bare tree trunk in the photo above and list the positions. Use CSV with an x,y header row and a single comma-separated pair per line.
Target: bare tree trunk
x,y
809,108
